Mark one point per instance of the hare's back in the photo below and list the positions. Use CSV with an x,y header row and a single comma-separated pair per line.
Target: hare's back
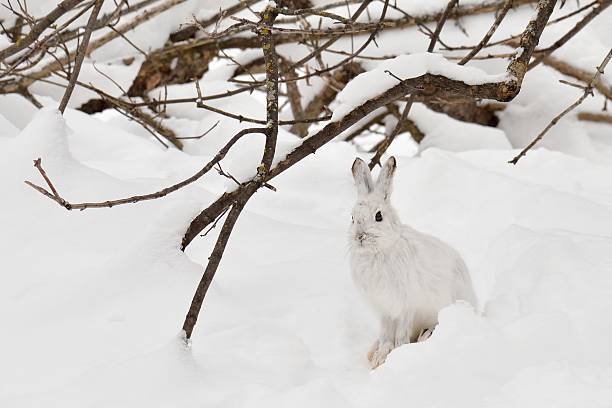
x,y
440,265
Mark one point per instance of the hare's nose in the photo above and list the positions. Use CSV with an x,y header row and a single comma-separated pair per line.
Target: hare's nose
x,y
361,236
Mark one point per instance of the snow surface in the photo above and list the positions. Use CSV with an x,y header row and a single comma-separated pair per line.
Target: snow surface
x,y
453,135
91,303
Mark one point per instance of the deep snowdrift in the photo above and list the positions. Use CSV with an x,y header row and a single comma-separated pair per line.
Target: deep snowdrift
x,y
91,302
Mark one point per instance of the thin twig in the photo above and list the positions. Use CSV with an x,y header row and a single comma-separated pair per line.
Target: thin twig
x,y
571,70
137,198
214,224
542,54
384,145
202,135
38,165
80,56
500,16
434,38
37,29
587,91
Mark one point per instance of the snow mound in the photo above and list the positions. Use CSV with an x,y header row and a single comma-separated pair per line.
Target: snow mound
x,y
45,136
7,129
446,133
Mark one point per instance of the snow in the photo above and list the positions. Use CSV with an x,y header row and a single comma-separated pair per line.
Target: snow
x,y
416,8
376,81
227,69
96,75
532,110
92,302
4,42
282,324
454,135
7,128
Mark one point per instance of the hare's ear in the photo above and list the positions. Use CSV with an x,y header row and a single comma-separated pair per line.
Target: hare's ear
x,y
363,179
385,178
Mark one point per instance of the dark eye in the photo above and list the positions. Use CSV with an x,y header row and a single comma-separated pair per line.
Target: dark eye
x,y
378,216
352,219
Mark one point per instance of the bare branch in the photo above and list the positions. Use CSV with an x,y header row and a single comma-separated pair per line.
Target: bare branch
x,y
58,64
603,4
500,16
595,117
190,30
588,91
137,198
268,46
245,191
80,56
427,84
38,28
295,101
382,147
434,38
211,268
584,76
202,135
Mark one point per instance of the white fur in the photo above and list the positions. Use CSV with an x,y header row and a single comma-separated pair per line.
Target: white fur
x,y
407,276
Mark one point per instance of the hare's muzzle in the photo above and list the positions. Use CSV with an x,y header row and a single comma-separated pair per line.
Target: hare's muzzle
x,y
361,236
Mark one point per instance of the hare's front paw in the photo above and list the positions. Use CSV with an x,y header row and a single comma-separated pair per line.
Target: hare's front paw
x,y
373,350
378,353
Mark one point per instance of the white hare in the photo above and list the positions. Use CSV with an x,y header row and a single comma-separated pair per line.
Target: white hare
x,y
407,276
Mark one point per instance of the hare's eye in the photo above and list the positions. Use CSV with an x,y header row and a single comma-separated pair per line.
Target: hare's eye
x,y
352,219
378,216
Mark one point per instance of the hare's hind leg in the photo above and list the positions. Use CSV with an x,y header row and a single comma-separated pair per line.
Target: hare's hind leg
x,y
385,343
425,334
424,324
403,330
